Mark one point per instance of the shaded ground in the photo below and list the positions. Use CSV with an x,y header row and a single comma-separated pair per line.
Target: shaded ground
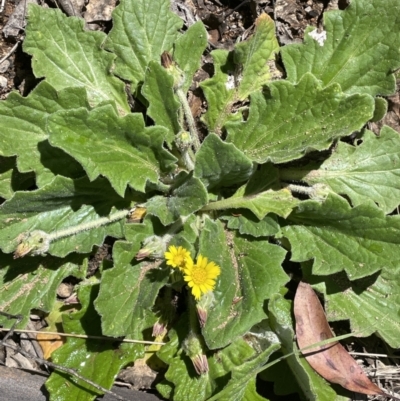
x,y
227,22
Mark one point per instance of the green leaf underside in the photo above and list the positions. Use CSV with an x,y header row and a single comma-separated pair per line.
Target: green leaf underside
x,y
24,120
128,291
370,170
313,386
185,199
142,31
163,105
221,164
30,283
59,205
360,52
292,119
97,360
68,56
360,240
242,286
195,39
239,73
248,224
120,148
371,303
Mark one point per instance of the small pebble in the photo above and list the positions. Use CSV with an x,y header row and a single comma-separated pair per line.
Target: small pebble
x,y
3,82
4,66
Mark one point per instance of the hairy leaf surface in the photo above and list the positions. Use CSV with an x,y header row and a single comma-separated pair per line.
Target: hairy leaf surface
x,y
120,148
360,51
360,240
370,170
242,287
142,31
289,120
59,205
68,56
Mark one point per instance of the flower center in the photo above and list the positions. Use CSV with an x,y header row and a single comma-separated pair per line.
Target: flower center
x,y
179,260
199,275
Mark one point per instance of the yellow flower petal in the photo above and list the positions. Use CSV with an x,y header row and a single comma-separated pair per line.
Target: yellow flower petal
x,y
201,275
177,257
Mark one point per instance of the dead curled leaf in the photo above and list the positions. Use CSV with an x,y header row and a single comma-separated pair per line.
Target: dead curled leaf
x,y
331,361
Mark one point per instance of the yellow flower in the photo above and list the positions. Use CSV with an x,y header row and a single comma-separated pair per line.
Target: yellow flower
x,y
176,257
200,276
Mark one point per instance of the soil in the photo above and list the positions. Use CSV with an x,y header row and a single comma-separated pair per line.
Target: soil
x,y
227,22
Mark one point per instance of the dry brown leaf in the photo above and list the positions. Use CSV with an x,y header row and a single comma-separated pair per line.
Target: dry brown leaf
x,y
334,363
49,343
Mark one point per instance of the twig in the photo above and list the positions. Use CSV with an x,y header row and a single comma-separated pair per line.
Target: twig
x,y
40,361
72,372
84,336
9,53
374,355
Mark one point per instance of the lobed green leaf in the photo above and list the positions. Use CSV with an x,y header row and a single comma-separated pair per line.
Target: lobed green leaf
x,y
68,56
289,120
370,170
120,148
142,31
250,273
24,120
61,204
360,240
360,52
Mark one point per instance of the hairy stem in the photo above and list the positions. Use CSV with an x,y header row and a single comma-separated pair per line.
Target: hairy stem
x,y
189,118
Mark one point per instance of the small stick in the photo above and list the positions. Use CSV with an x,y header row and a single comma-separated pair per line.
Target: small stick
x,y
10,52
84,336
40,361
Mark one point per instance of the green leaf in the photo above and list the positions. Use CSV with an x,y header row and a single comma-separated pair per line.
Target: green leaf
x,y
242,385
69,56
24,120
128,291
360,240
239,73
30,283
163,105
381,108
360,52
221,164
188,196
119,148
371,303
195,39
248,224
370,170
253,54
219,94
61,204
313,386
11,179
250,273
292,119
261,195
142,31
97,360
187,384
